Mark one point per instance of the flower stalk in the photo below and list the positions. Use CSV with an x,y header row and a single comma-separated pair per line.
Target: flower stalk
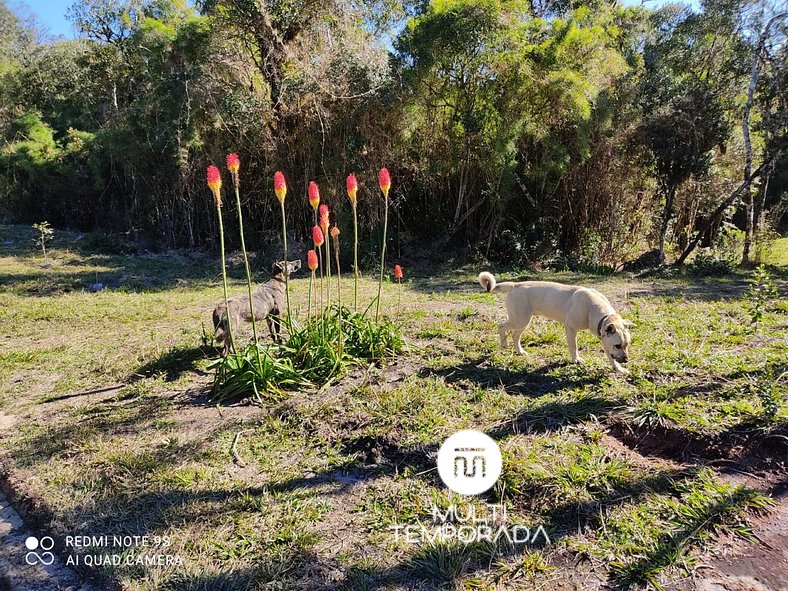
x,y
352,193
334,233
398,275
311,261
215,184
324,224
280,189
384,181
234,165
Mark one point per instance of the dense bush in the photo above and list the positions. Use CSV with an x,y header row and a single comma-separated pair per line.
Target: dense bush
x,y
516,130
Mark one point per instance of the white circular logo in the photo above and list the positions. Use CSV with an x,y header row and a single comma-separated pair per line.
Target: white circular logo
x,y
45,544
469,462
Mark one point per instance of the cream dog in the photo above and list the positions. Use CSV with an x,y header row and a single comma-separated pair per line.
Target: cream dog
x,y
577,308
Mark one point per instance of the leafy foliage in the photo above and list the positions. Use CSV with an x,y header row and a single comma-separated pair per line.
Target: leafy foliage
x,y
589,128
760,293
314,354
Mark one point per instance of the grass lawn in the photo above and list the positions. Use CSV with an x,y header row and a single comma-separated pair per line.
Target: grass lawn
x,y
636,479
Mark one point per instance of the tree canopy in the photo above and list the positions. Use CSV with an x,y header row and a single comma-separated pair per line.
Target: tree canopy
x,y
514,129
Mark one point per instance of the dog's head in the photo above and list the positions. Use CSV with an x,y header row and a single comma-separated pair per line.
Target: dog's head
x,y
614,333
285,267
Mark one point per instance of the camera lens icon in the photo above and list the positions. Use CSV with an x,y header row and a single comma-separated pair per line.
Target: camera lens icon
x,y
45,544
469,462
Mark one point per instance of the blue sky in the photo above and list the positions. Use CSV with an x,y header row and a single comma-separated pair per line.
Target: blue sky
x,y
51,13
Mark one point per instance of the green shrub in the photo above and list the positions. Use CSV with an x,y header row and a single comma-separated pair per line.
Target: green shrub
x,y
313,355
760,293
707,264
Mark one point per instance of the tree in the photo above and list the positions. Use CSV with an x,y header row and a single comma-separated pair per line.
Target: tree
x,y
767,38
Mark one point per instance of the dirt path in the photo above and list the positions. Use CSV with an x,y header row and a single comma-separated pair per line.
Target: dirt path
x,y
17,574
760,564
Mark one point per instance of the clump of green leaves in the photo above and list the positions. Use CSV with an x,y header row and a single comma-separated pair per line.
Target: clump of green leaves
x,y
45,234
760,293
710,265
321,350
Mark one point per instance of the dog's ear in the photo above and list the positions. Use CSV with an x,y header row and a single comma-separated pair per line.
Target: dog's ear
x,y
277,269
628,324
611,328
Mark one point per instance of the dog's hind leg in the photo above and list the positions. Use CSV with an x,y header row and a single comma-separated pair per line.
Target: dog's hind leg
x,y
517,333
571,341
503,330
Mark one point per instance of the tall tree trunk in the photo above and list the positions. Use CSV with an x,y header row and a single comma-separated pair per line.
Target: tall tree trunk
x,y
760,202
754,71
666,215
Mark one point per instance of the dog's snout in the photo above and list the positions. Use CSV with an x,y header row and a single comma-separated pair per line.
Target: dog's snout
x,y
625,360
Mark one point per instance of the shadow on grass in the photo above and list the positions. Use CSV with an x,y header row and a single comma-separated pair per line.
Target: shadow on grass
x,y
552,416
174,363
548,379
296,565
687,287
443,564
130,273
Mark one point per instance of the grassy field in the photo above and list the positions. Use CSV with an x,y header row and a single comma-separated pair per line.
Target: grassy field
x,y
106,430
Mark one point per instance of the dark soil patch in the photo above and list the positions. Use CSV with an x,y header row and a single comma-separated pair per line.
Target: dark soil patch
x,y
743,443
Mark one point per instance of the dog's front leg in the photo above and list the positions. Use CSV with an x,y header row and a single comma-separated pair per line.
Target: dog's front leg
x,y
571,341
271,330
516,334
618,367
277,329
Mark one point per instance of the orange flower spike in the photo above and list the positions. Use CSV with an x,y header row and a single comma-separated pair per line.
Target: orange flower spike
x,y
215,184
311,259
314,194
233,163
352,188
398,274
324,218
317,236
334,232
280,186
384,180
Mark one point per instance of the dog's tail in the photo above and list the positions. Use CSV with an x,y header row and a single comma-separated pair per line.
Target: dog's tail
x,y
487,281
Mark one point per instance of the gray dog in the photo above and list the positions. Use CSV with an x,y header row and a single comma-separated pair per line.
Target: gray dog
x,y
268,300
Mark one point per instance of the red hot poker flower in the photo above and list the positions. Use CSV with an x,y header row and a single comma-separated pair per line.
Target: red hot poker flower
x,y
314,195
334,232
398,274
215,184
352,188
384,180
280,186
311,258
324,218
317,236
233,163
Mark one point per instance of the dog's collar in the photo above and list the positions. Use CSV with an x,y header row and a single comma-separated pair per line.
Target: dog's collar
x,y
601,322
276,278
